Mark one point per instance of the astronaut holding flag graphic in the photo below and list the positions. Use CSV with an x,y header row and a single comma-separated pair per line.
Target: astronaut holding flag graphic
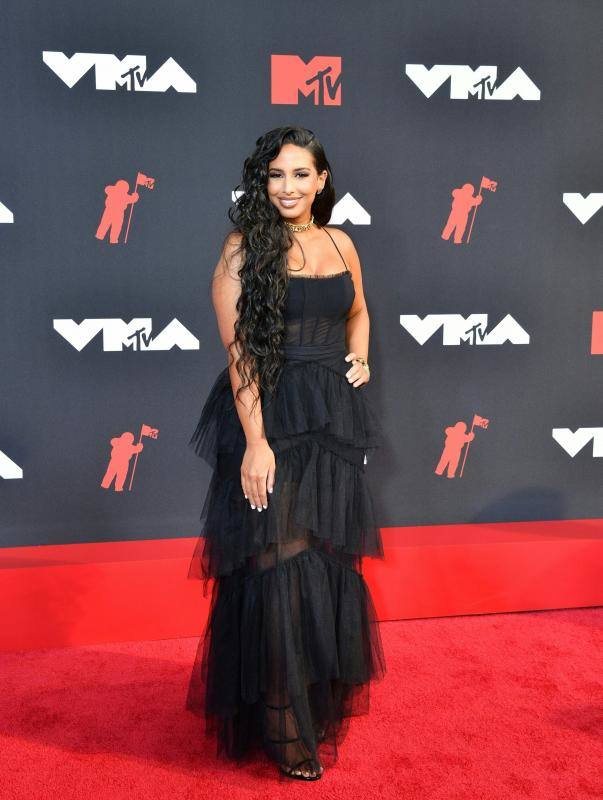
x,y
462,203
117,200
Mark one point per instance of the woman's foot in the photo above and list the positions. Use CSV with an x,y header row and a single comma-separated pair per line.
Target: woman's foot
x,y
308,770
298,762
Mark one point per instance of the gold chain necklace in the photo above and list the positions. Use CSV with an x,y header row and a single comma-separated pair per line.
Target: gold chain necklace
x,y
302,227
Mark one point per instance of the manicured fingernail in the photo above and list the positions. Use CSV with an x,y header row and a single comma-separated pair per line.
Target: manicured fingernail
x,y
264,506
259,508
252,505
270,490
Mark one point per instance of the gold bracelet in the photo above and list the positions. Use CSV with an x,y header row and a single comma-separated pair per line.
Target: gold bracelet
x,y
364,364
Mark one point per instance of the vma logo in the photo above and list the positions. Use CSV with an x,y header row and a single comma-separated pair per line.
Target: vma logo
x,y
119,335
573,442
6,215
583,208
320,79
129,73
477,84
9,469
456,329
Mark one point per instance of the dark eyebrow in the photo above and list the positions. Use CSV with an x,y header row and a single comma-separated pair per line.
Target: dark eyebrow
x,y
295,169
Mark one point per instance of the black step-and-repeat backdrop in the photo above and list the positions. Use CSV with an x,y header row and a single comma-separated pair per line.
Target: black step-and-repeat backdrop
x,y
464,140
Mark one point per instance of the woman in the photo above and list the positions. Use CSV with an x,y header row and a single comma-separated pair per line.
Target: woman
x,y
292,640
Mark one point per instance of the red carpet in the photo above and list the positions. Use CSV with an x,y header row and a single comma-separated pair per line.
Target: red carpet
x,y
472,708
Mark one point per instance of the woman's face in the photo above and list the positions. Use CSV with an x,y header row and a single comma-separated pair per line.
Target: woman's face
x,y
292,175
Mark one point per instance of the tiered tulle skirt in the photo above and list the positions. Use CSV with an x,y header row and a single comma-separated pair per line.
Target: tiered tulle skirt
x,y
292,643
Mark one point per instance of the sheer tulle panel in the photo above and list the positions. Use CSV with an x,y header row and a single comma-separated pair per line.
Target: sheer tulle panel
x,y
314,331
287,656
315,490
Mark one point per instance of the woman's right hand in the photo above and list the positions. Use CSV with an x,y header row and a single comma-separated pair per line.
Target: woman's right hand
x,y
257,473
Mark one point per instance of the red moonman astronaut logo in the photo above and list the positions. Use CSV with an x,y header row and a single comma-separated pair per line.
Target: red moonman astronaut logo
x,y
456,438
122,450
117,200
462,203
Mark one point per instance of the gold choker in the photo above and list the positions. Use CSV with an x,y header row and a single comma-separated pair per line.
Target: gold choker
x,y
302,227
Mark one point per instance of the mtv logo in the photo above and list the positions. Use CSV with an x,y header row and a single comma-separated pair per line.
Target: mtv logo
x,y
596,338
320,79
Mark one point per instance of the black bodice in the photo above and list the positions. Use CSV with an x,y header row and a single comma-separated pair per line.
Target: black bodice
x,y
315,315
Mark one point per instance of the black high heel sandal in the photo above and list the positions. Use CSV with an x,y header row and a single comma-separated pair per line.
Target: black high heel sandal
x,y
288,770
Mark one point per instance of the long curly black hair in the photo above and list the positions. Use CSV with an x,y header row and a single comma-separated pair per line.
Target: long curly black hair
x,y
265,240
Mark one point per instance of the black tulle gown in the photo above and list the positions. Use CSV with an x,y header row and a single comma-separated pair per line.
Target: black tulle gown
x,y
292,641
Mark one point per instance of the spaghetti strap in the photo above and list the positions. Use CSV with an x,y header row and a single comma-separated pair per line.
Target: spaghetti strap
x,y
338,250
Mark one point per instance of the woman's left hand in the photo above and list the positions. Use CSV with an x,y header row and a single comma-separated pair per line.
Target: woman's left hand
x,y
357,374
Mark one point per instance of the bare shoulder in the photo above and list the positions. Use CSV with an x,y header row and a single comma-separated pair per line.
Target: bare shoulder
x,y
341,237
232,256
345,243
233,239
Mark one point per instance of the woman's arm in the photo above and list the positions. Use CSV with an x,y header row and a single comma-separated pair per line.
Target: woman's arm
x,y
358,323
257,468
226,288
